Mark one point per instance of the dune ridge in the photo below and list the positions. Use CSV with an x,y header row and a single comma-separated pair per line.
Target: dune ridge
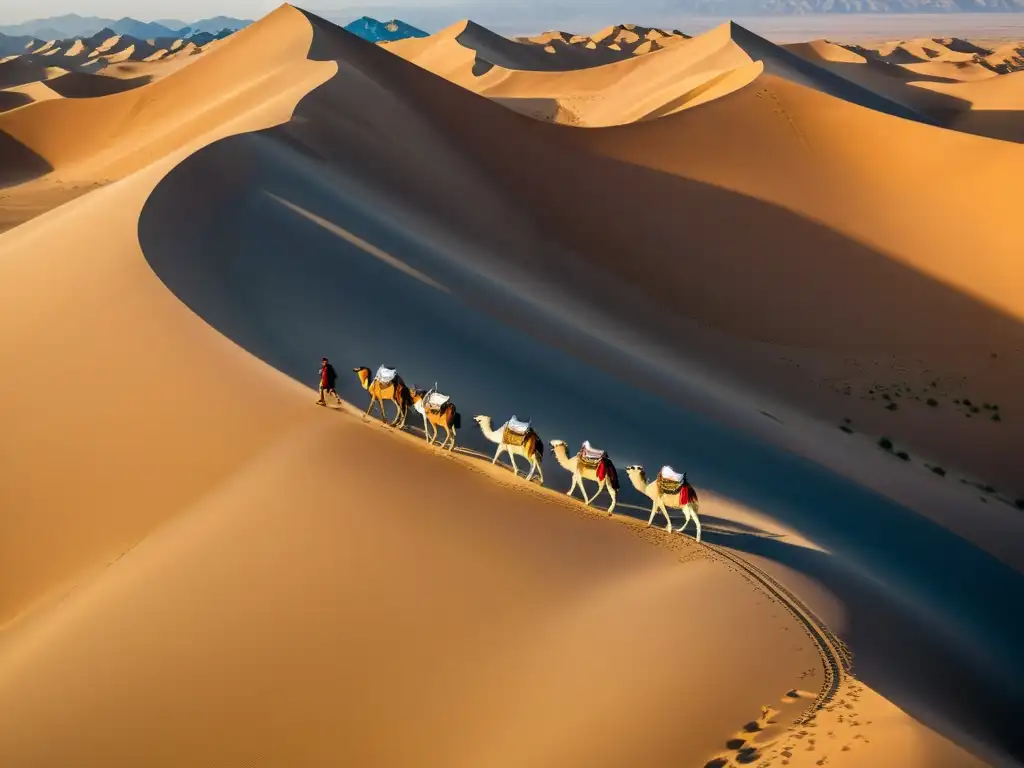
x,y
277,508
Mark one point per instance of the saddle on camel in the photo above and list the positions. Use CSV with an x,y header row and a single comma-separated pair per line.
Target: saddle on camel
x,y
434,401
385,376
671,482
597,460
516,432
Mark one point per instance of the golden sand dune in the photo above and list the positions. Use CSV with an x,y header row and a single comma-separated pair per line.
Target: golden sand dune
x,y
634,89
93,55
199,564
992,107
550,52
689,73
22,70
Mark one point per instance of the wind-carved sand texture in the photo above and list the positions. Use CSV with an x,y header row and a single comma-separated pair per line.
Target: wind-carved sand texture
x,y
736,261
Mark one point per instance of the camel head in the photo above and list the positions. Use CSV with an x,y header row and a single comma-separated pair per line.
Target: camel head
x,y
558,443
416,394
637,471
364,376
483,421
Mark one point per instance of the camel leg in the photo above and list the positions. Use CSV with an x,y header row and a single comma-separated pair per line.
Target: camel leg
x,y
668,520
654,511
497,453
614,495
583,490
686,518
535,467
451,431
512,460
573,486
370,406
696,520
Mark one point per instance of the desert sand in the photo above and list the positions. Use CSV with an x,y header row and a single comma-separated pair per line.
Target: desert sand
x,y
718,253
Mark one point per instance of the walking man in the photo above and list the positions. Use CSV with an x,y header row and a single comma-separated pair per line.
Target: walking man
x,y
328,377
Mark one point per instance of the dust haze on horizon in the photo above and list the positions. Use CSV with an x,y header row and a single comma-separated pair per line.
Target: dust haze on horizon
x,y
779,23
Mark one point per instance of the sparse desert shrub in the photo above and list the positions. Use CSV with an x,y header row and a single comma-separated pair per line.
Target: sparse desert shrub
x,y
885,444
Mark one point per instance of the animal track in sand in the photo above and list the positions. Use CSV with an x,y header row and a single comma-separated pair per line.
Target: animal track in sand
x,y
748,745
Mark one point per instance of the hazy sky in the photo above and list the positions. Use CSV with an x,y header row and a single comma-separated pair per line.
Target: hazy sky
x,y
15,11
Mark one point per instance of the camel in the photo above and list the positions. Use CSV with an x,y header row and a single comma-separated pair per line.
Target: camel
x,y
669,490
517,438
438,410
386,385
589,464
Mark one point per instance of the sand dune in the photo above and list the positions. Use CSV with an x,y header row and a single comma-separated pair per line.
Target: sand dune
x,y
993,107
687,74
470,50
625,91
306,582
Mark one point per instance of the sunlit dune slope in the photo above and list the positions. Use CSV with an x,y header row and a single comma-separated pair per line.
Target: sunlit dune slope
x,y
159,461
689,73
279,608
642,87
154,120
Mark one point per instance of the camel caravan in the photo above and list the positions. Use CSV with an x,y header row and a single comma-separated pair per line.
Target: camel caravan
x,y
668,490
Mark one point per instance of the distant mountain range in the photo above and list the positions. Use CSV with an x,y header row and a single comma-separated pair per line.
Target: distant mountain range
x,y
376,31
508,17
73,26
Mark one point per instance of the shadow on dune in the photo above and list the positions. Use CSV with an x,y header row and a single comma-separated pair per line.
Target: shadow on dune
x,y
79,85
899,55
13,99
264,235
1002,124
18,163
899,85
